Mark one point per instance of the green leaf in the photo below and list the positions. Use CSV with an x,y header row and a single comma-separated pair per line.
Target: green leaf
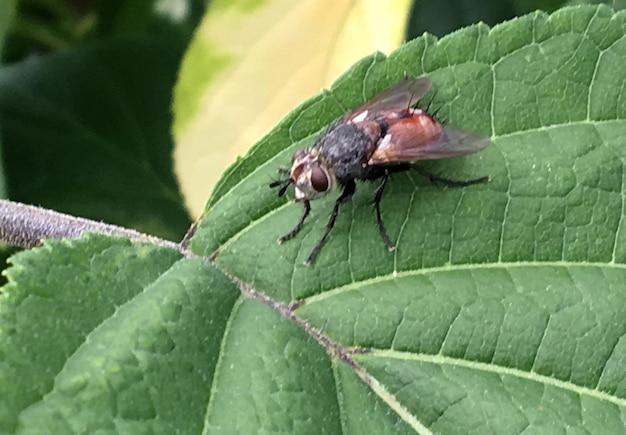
x,y
524,341
275,378
442,17
502,310
93,327
7,12
547,90
86,132
164,20
509,288
3,190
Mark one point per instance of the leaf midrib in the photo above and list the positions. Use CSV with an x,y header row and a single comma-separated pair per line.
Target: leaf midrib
x,y
356,285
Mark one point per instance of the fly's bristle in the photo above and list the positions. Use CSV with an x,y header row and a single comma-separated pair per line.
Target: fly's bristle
x,y
429,105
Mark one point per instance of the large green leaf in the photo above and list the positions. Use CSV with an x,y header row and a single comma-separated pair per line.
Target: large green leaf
x,y
547,90
514,281
92,327
503,309
100,335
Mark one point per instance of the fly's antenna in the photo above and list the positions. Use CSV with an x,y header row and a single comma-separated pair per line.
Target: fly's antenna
x,y
284,184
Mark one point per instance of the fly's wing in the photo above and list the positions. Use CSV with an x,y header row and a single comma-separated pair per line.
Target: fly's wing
x,y
411,139
455,142
395,98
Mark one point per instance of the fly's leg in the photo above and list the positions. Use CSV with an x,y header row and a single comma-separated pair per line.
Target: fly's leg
x,y
348,191
458,183
378,194
298,227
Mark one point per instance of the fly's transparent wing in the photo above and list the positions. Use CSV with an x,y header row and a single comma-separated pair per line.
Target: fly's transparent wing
x,y
421,137
398,97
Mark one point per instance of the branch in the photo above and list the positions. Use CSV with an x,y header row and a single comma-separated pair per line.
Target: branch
x,y
25,225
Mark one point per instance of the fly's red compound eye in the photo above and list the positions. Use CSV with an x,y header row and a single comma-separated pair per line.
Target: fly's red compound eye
x,y
319,179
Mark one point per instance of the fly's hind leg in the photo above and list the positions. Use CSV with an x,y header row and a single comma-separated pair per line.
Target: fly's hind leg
x,y
378,194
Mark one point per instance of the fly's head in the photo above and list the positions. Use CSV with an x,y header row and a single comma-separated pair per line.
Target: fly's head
x,y
309,174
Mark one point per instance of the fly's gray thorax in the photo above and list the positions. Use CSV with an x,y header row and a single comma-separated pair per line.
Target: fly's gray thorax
x,y
346,148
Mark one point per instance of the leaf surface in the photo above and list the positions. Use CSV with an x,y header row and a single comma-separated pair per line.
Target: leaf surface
x,y
506,290
502,310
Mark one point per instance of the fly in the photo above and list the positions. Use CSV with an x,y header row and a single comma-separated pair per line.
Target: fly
x,y
386,134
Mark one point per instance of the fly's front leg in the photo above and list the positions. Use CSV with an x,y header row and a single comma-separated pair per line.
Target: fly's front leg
x,y
378,194
298,227
348,191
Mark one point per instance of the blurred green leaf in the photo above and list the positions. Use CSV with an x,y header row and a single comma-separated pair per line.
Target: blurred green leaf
x,y
167,20
43,26
7,12
443,17
86,132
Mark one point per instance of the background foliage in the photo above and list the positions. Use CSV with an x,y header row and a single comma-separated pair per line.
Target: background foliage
x,y
501,310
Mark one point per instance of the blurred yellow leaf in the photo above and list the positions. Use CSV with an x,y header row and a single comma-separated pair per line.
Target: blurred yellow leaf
x,y
251,62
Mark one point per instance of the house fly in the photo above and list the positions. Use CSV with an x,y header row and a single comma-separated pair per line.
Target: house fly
x,y
386,134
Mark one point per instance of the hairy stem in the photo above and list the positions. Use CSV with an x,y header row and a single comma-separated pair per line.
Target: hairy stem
x,y
25,225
